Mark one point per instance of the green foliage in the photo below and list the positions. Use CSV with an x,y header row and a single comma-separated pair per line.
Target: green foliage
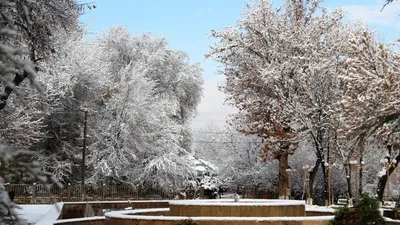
x,y
343,216
366,212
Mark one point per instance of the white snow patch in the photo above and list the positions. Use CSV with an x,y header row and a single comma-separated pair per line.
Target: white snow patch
x,y
32,213
113,202
80,219
47,214
382,172
241,202
315,208
52,215
391,220
201,168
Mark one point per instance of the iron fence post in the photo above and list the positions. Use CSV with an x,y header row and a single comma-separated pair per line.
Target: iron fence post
x,y
69,192
102,197
34,193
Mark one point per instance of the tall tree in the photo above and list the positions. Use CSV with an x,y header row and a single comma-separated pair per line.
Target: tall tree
x,y
140,95
25,30
281,66
69,86
370,106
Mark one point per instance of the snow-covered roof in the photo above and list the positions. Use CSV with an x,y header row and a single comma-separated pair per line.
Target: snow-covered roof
x,y
201,165
201,168
208,164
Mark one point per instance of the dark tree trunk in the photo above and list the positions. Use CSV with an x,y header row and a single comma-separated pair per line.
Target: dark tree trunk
x,y
313,174
383,179
381,187
283,176
360,175
8,89
325,176
348,179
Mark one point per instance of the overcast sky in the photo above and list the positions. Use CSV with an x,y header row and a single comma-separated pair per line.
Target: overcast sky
x,y
187,23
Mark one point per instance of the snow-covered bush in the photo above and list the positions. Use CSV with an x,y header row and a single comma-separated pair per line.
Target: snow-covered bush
x,y
210,185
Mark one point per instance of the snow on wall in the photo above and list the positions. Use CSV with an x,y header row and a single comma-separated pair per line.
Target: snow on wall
x,y
79,219
241,202
130,214
115,202
315,208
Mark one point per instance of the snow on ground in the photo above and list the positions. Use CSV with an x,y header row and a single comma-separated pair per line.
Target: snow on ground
x,y
52,214
316,208
32,213
39,214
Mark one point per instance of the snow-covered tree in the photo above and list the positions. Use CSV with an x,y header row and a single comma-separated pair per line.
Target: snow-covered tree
x,y
69,85
34,22
140,96
370,107
281,68
238,157
25,30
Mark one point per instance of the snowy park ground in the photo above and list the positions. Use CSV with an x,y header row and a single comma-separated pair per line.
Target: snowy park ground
x,y
37,214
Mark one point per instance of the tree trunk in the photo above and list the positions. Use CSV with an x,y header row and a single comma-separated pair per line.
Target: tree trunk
x,y
9,88
381,187
360,180
283,176
383,179
348,179
326,191
313,173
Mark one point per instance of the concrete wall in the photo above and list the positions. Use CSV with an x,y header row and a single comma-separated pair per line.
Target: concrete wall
x,y
237,211
80,209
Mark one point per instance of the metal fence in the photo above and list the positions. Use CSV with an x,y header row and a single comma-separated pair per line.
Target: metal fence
x,y
39,193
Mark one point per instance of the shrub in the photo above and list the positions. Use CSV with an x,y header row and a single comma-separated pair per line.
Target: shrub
x,y
366,212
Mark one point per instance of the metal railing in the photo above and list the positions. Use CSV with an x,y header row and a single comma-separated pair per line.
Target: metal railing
x,y
39,193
